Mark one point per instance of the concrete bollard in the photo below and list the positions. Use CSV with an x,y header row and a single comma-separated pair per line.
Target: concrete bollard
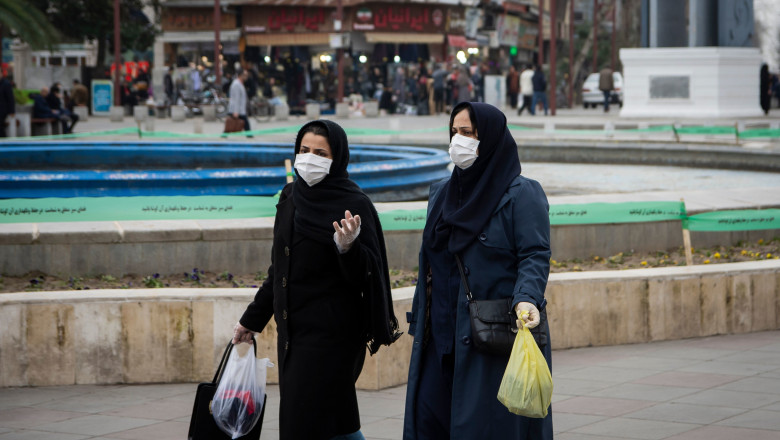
x,y
209,112
371,109
281,112
140,113
82,111
313,111
609,129
178,113
342,110
116,113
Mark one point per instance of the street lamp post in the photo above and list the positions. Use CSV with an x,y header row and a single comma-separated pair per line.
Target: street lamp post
x,y
540,58
595,67
571,54
553,56
117,60
340,54
217,26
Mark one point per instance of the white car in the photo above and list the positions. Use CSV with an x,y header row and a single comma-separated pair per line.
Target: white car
x,y
592,96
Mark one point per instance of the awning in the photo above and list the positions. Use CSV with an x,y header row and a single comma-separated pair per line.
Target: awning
x,y
460,41
199,36
307,39
304,3
403,38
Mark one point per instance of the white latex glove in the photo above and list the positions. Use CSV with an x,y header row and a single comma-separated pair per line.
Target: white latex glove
x,y
346,234
527,314
242,334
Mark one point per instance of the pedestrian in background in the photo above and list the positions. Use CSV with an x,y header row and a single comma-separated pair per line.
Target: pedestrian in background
x,y
512,86
540,90
606,85
79,95
464,85
765,89
54,100
526,89
439,78
328,289
496,221
7,103
238,100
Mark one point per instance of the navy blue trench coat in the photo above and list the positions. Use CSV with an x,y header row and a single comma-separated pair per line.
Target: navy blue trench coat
x,y
510,257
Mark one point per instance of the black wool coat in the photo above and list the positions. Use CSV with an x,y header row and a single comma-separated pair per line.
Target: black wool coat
x,y
321,342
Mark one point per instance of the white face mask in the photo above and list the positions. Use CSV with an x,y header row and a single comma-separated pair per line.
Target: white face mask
x,y
312,168
463,151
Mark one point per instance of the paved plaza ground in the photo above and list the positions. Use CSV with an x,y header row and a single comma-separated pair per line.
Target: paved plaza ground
x,y
714,388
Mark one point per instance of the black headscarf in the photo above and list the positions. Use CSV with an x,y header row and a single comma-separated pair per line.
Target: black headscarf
x,y
466,203
318,206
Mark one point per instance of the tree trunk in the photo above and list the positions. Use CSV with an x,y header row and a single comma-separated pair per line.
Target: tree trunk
x,y
101,55
585,53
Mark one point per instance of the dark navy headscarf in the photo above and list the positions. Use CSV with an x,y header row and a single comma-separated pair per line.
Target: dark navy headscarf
x,y
466,203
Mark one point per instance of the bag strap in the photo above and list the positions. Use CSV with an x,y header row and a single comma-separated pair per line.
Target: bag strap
x,y
463,278
223,362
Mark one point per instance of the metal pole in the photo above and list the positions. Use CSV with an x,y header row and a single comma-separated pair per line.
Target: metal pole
x,y
553,55
340,55
571,53
595,66
117,60
540,57
614,27
217,26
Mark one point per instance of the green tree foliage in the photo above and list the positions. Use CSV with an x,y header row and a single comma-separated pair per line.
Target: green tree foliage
x,y
94,19
27,23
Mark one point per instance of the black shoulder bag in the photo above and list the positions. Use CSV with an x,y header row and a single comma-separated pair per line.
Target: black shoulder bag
x,y
494,322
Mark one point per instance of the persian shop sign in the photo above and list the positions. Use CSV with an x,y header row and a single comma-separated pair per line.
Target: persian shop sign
x,y
411,18
288,19
194,19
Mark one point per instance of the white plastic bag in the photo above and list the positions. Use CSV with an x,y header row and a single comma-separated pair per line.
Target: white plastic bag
x,y
238,401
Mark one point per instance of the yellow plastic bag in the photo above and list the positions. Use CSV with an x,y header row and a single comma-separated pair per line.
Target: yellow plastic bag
x,y
526,388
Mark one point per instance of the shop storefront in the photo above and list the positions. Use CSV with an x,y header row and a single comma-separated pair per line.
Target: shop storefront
x,y
188,35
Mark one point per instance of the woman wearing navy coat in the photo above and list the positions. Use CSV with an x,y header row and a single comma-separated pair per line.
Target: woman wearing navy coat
x,y
497,222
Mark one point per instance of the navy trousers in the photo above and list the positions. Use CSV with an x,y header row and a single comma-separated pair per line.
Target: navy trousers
x,y
434,397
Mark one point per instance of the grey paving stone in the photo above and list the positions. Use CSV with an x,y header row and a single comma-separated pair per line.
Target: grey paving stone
x,y
269,434
578,436
576,387
28,417
158,431
754,385
732,368
725,433
650,363
772,407
704,354
685,413
733,399
644,392
770,347
389,429
93,402
691,380
607,374
756,419
599,406
165,409
95,425
39,435
563,422
636,429
753,357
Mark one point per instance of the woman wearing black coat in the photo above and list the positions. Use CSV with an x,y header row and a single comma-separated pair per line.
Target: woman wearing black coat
x,y
328,289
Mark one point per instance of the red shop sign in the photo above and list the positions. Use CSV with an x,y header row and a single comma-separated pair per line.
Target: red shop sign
x,y
417,18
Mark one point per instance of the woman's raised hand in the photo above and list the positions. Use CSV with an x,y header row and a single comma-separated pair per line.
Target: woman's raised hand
x,y
346,234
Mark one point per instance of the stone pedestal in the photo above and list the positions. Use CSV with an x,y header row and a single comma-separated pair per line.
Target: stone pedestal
x,y
140,113
281,112
371,108
209,112
178,113
82,111
342,110
693,82
116,114
313,111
